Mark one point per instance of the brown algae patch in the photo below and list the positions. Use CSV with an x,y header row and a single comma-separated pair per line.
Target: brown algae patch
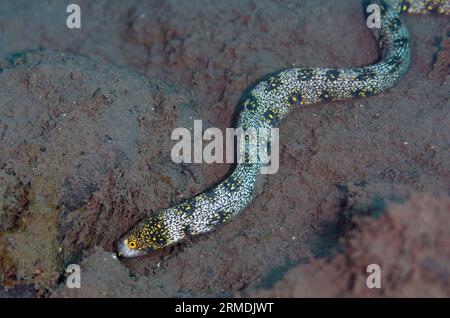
x,y
7,264
30,253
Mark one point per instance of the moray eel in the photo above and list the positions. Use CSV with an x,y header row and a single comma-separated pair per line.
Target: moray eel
x,y
264,107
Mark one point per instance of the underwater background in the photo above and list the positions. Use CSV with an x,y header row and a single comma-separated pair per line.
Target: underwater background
x,y
85,122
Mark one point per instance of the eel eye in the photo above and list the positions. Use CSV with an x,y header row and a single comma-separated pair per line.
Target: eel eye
x,y
132,244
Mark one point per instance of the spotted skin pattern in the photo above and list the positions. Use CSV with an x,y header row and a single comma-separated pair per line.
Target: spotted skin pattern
x,y
268,103
422,7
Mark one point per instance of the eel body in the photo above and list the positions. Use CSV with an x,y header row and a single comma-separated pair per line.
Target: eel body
x,y
271,100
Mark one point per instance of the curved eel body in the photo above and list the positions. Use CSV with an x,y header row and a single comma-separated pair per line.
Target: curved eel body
x,y
266,104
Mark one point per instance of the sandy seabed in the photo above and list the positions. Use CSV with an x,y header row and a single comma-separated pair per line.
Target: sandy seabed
x,y
85,123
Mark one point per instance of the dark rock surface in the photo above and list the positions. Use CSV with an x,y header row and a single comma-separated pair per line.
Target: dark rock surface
x,y
409,243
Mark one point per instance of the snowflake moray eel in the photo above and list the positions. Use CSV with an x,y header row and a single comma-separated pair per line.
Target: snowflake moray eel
x,y
265,105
